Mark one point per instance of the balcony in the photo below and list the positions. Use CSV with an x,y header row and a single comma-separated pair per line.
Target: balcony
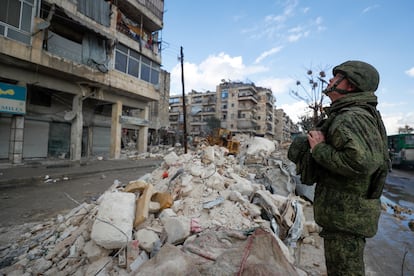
x,y
196,122
208,110
247,98
246,124
247,107
270,104
150,12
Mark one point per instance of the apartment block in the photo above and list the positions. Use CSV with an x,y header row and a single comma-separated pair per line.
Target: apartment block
x,y
265,113
284,126
237,104
240,107
76,76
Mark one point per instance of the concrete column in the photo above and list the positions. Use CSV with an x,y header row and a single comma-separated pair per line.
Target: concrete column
x,y
142,142
37,41
16,139
116,128
76,129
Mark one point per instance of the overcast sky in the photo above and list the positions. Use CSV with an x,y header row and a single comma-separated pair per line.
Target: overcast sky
x,y
273,43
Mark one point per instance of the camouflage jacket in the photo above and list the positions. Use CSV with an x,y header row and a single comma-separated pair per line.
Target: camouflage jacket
x,y
353,151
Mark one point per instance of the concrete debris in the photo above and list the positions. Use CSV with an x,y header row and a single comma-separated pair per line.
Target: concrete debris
x,y
200,213
112,228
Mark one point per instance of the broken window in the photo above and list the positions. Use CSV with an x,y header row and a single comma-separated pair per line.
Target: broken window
x,y
70,37
16,18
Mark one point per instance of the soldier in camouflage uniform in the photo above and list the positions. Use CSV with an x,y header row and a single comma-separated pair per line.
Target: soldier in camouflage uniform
x,y
350,151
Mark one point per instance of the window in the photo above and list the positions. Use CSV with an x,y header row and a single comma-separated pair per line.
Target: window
x,y
11,14
133,67
136,65
126,60
121,60
145,69
224,94
16,18
174,100
409,140
155,73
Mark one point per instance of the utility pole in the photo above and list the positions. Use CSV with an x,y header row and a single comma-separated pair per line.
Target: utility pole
x,y
184,108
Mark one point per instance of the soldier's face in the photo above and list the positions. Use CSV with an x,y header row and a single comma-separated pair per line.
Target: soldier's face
x,y
337,78
341,84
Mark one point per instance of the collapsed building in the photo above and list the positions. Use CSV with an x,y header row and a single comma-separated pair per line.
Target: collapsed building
x,y
201,213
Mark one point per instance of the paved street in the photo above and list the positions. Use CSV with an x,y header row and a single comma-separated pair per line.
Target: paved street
x,y
391,250
41,192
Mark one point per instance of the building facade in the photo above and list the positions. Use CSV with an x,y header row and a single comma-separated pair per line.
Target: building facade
x,y
265,113
246,108
285,128
239,107
77,75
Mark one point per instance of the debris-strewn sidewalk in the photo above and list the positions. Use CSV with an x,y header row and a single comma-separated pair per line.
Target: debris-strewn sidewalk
x,y
201,213
35,172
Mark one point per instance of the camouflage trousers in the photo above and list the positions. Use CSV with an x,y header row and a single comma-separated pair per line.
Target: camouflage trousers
x,y
344,253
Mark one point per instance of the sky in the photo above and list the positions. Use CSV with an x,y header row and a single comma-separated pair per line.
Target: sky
x,y
273,43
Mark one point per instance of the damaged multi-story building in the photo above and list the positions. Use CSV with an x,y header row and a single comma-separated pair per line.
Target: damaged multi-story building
x,y
246,108
285,128
78,77
239,107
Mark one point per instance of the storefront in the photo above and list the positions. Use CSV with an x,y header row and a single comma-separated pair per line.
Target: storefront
x,y
12,110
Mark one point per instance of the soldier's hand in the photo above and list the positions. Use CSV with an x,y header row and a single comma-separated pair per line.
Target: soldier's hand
x,y
315,137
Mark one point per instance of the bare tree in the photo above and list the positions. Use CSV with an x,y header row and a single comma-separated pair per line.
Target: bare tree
x,y
406,129
306,122
312,95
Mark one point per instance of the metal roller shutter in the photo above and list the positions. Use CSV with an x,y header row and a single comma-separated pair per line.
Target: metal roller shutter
x,y
4,137
35,139
101,141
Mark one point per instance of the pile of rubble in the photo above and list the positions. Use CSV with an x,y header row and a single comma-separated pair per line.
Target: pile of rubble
x,y
201,213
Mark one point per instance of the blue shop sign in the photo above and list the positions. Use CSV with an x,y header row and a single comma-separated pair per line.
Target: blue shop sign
x,y
12,99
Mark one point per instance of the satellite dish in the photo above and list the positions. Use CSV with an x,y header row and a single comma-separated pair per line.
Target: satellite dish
x,y
43,25
69,115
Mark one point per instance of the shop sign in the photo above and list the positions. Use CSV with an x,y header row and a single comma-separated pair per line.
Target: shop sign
x,y
12,99
127,120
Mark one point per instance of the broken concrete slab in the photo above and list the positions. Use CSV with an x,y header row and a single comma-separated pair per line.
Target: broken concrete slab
x,y
112,228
